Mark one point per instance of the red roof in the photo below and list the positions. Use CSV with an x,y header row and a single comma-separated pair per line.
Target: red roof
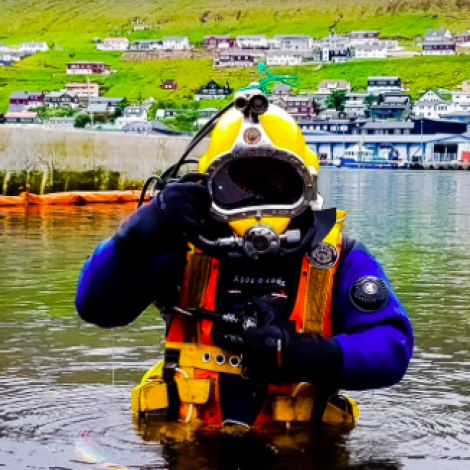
x,y
24,114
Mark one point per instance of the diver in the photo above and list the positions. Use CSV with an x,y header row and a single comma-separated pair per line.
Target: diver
x,y
270,310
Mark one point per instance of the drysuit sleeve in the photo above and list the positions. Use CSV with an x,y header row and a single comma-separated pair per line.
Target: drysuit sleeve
x,y
114,289
375,333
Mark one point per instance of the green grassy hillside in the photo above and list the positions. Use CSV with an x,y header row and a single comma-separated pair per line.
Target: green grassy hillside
x,y
70,26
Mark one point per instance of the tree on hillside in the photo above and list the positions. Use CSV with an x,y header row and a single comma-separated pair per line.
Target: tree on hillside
x,y
336,100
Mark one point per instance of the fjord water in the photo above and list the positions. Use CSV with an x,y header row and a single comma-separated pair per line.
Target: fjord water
x,y
65,385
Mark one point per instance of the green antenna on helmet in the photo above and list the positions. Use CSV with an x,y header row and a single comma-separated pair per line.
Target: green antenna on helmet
x,y
292,80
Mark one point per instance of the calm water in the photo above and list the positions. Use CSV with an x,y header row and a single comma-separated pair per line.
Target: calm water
x,y
65,386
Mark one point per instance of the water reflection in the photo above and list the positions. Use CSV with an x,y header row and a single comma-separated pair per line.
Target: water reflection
x,y
64,385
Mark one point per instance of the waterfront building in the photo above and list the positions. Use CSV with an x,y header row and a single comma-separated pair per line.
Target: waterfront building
x,y
327,86
460,100
83,67
113,44
61,122
438,48
62,99
292,41
441,34
425,141
27,99
84,90
370,51
254,41
169,85
218,42
213,91
377,85
130,115
175,43
458,116
22,117
236,58
33,47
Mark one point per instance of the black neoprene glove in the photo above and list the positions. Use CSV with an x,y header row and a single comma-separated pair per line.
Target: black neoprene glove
x,y
281,356
254,312
176,213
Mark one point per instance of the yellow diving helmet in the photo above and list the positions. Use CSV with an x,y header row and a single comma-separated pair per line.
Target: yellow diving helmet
x,y
260,174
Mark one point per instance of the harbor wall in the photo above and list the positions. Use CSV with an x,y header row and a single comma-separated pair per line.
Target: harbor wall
x,y
66,160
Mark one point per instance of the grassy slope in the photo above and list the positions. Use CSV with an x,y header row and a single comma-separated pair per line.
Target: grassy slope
x,y
72,25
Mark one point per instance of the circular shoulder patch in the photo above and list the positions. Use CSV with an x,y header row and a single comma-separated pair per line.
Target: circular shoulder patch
x,y
323,256
369,294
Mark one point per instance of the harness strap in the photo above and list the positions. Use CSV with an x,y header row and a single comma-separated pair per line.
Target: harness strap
x,y
172,357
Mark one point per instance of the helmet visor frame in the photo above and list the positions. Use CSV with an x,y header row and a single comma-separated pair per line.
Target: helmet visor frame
x,y
306,194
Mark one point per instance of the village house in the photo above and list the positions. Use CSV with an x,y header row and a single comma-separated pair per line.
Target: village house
x,y
175,43
438,48
257,41
98,110
169,85
434,35
383,84
292,41
62,99
357,38
33,47
84,90
356,103
113,44
218,42
169,113
27,99
130,115
110,103
23,117
336,54
460,100
391,44
300,107
465,85
147,45
333,40
213,91
391,106
83,67
280,90
327,86
5,59
463,39
431,105
370,51
236,58
4,47
284,57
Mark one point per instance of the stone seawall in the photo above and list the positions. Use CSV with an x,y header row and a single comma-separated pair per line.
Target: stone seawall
x,y
51,160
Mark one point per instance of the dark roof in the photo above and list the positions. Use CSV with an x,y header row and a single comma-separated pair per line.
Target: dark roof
x,y
23,95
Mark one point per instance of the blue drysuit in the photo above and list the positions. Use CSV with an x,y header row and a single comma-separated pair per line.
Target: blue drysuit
x,y
114,289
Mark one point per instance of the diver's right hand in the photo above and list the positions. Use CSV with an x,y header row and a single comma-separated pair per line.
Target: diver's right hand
x,y
185,204
166,222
